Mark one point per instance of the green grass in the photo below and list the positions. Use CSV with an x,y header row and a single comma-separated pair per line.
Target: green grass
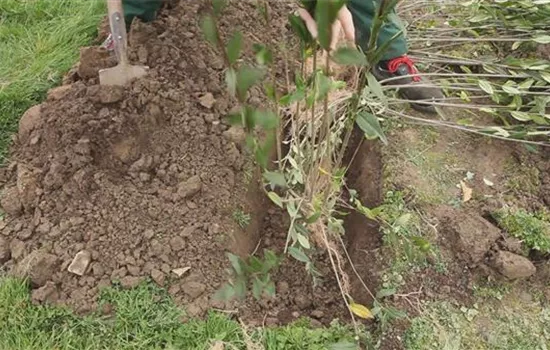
x,y
488,325
143,318
532,229
39,42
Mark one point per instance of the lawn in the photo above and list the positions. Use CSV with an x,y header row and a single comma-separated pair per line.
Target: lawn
x,y
144,318
39,42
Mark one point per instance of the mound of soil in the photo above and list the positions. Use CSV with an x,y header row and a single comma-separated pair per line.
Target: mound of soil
x,y
142,182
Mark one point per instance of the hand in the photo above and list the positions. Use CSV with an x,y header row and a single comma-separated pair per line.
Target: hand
x,y
344,20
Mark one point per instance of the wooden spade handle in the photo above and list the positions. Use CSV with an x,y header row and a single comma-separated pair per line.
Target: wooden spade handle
x,y
118,30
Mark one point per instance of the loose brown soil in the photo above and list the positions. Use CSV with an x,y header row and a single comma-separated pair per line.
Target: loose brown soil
x,y
146,178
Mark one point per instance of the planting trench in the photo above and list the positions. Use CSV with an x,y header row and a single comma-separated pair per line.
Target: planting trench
x,y
146,180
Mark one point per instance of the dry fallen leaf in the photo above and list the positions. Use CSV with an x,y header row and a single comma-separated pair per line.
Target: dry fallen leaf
x,y
466,192
360,310
488,182
179,272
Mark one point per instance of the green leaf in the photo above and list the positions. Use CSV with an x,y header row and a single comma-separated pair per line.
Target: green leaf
x,y
324,85
486,86
248,76
231,81
236,263
267,119
349,56
304,242
264,56
298,254
257,288
375,86
385,292
225,293
275,179
545,76
208,25
543,39
521,116
369,124
276,199
313,218
326,13
423,244
343,345
234,47
235,118
240,288
511,90
300,28
218,5
403,220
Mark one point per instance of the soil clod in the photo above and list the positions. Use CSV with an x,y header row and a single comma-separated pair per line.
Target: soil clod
x,y
513,266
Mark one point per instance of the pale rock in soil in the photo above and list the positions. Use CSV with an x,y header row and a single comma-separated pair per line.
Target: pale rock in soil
x,y
80,263
513,266
11,203
38,266
29,121
59,92
158,276
5,253
190,187
207,100
45,294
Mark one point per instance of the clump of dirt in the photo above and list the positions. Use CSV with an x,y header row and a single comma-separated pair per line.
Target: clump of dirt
x,y
144,179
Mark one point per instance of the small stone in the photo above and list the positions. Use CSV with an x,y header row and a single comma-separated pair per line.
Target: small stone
x,y
181,271
513,266
207,100
177,243
80,263
194,289
158,277
295,314
129,282
318,314
5,253
190,187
